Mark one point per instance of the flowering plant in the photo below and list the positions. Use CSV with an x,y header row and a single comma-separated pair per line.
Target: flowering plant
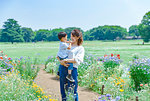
x,y
110,61
140,72
5,63
107,97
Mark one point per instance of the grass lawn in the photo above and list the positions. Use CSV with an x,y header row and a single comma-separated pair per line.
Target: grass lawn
x,y
98,48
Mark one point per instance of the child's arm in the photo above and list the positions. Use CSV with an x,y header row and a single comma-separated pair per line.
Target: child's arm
x,y
69,46
58,59
62,62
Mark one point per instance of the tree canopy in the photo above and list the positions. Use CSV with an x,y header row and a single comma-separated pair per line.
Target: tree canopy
x,y
144,27
11,32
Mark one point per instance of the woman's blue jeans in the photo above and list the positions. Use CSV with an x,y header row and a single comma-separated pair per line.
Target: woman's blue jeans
x,y
63,81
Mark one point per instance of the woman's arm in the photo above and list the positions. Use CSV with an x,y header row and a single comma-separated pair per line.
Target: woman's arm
x,y
69,60
78,58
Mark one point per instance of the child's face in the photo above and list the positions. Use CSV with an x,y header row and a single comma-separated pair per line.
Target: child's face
x,y
64,39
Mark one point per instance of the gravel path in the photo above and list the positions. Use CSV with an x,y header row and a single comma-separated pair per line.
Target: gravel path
x,y
50,85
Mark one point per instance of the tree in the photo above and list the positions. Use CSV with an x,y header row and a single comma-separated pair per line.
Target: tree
x,y
105,33
11,32
53,36
144,27
134,31
42,35
28,34
0,34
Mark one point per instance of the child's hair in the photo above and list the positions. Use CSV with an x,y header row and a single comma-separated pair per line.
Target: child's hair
x,y
61,34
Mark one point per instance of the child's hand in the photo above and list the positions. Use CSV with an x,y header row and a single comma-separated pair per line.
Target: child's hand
x,y
70,41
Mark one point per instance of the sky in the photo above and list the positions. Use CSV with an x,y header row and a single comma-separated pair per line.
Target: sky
x,y
86,14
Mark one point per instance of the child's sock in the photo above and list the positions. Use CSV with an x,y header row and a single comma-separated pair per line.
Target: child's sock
x,y
69,75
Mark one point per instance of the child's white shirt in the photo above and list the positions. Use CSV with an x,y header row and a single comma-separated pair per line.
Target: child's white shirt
x,y
62,53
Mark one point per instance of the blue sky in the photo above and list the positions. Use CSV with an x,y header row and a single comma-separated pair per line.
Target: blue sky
x,y
86,14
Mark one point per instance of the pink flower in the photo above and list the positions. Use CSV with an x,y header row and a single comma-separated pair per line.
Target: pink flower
x,y
146,84
141,84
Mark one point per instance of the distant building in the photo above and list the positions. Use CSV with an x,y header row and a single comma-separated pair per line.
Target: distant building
x,y
132,37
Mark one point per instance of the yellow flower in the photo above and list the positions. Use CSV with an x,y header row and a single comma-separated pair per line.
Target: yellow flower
x,y
46,96
118,83
91,85
39,98
49,95
121,90
50,99
122,80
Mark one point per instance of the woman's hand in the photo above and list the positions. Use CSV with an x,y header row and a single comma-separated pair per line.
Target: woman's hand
x,y
62,62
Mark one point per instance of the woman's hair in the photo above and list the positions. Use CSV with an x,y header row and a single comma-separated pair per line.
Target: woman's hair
x,y
78,34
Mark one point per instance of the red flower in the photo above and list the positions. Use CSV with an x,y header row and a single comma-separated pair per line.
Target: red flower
x,y
1,57
118,56
9,58
6,55
1,51
112,55
105,55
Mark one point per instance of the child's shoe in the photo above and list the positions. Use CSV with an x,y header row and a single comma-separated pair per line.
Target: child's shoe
x,y
70,78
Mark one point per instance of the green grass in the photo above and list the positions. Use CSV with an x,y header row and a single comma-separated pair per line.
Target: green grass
x,y
124,47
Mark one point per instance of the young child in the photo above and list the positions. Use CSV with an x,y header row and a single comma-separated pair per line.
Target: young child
x,y
63,53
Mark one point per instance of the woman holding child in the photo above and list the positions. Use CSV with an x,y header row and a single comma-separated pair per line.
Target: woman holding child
x,y
75,57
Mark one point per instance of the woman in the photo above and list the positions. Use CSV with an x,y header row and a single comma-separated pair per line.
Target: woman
x,y
78,54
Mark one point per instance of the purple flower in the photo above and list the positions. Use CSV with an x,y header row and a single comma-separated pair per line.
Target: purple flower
x,y
109,98
38,54
108,95
21,57
117,98
99,97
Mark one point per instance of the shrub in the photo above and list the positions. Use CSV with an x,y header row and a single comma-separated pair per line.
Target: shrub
x,y
140,72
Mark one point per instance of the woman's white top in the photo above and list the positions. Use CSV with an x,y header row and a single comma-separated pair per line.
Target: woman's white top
x,y
77,53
